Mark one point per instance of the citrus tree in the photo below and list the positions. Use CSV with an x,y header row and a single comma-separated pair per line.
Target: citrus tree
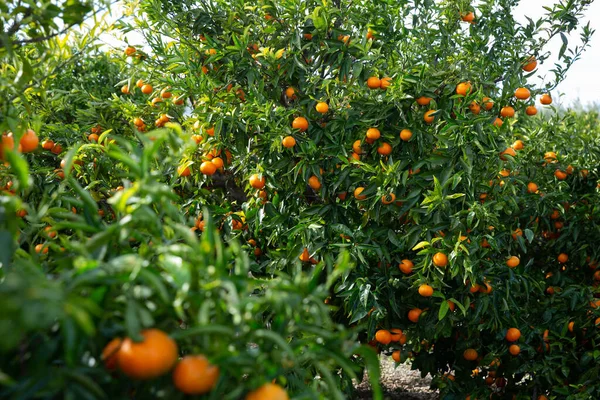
x,y
404,135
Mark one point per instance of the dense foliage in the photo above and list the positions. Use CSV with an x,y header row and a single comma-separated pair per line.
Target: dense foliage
x,y
381,163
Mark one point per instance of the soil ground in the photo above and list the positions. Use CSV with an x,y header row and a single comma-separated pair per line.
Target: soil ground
x,y
399,383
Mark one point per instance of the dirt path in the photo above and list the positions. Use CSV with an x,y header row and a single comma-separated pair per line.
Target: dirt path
x,y
399,384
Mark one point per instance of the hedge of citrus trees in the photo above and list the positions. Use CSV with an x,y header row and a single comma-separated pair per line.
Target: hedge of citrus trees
x,y
393,176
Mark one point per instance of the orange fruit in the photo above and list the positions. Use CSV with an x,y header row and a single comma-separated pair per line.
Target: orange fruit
x,y
268,391
474,107
514,349
370,35
385,83
165,94
405,135
467,17
125,89
147,89
39,248
385,149
373,133
256,182
154,356
155,101
513,334
470,354
49,144
183,171
396,356
550,156
358,195
517,232
300,123
110,353
373,82
388,198
532,187
356,147
322,107
129,51
406,266
530,64
396,334
425,290
414,314
57,149
29,141
314,182
218,161
288,142
308,36
531,111
463,88
546,99
507,112
208,168
562,258
560,175
383,336
440,259
428,117
498,122
570,170
513,262
517,145
451,305
204,69
139,83
488,103
423,100
137,121
305,256
522,93
290,92
571,326
195,375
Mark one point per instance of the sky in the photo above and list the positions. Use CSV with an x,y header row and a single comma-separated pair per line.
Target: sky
x,y
581,84
582,81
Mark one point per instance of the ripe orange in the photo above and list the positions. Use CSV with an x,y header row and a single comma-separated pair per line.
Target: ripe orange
x,y
550,156
385,83
498,122
517,145
522,93
305,256
414,314
322,107
470,354
532,187
530,64
396,356
208,168
110,353
513,262
314,182
268,391
546,99
357,193
531,111
474,108
451,305
425,290
570,170
385,149
396,334
388,198
517,232
383,336
560,175
29,141
210,131
373,133
406,266
139,83
463,88
256,182
423,100
195,375
571,326
39,248
374,82
513,334
514,349
218,162
49,144
125,89
468,17
183,171
147,89
129,51
440,259
290,92
300,123
507,112
150,358
356,147
405,135
57,148
562,258
488,103
288,142
156,100
428,117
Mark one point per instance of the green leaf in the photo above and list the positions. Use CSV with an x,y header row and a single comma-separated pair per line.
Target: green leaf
x,y
19,167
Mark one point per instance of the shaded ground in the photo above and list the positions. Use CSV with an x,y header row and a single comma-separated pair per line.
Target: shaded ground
x,y
399,383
